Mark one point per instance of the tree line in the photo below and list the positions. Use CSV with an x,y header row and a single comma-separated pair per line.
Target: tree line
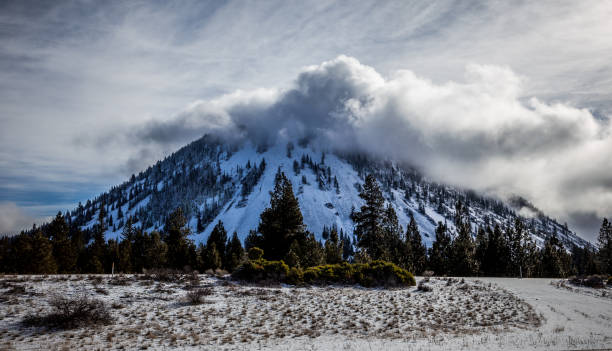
x,y
60,247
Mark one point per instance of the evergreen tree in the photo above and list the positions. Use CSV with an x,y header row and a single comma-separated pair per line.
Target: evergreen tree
x,y
496,256
394,248
325,234
347,246
218,236
21,254
462,261
212,259
333,247
417,249
234,253
440,251
604,242
200,224
583,261
63,252
531,259
124,260
311,252
480,252
77,239
42,255
252,240
97,250
282,223
156,251
553,257
179,245
369,220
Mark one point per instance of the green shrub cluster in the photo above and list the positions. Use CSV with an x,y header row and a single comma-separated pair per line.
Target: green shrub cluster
x,y
376,273
262,270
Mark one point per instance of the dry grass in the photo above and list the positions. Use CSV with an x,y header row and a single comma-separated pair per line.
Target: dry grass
x,y
235,316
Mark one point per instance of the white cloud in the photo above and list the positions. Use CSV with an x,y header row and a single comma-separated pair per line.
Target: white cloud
x,y
13,218
481,132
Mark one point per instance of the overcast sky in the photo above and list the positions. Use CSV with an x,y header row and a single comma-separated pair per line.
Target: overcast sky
x,y
85,88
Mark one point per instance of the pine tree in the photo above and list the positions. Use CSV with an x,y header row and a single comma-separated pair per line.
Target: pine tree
x,y
311,252
218,236
552,258
77,239
252,240
124,261
325,234
234,253
604,242
176,234
64,253
97,250
496,256
440,251
21,254
462,262
417,249
517,246
333,247
200,224
368,221
282,222
481,250
347,246
583,261
156,251
42,255
212,259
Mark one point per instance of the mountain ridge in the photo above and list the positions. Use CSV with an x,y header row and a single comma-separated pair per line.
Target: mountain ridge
x,y
215,180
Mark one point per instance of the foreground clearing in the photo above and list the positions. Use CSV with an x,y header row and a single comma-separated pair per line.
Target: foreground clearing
x,y
472,314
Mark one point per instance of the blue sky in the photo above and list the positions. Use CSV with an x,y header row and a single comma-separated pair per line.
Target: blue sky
x,y
79,79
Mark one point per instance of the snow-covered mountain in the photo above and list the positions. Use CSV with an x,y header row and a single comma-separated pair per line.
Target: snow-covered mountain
x,y
212,180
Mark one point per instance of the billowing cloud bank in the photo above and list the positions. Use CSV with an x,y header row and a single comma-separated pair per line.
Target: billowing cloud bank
x,y
481,133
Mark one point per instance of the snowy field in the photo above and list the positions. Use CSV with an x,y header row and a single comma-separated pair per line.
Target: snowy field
x,y
475,314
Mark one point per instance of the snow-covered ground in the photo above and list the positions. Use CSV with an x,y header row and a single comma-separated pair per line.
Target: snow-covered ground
x,y
478,314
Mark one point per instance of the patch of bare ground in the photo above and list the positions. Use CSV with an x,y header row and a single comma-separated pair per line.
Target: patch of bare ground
x,y
168,310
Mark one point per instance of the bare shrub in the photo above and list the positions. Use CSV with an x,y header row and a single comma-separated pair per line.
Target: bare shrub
x,y
120,280
164,275
194,278
424,287
14,289
117,306
196,296
95,279
70,313
101,290
592,281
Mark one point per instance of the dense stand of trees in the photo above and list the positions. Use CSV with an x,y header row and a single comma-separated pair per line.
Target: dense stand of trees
x,y
494,250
